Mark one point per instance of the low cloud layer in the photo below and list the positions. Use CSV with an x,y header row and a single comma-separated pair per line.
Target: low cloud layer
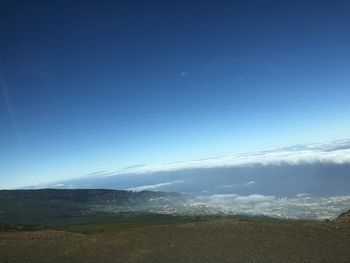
x,y
298,207
337,152
304,182
152,187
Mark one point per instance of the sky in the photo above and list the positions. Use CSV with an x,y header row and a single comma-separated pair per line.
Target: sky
x,y
102,85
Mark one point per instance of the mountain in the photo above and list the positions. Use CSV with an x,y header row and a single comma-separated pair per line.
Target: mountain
x,y
57,205
82,196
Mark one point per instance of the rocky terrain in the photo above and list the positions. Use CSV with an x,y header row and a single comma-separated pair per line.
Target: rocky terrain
x,y
344,218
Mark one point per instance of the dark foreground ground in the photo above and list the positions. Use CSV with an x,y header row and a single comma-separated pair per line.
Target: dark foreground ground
x,y
212,241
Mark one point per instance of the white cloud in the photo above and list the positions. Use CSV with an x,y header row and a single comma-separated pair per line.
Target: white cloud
x,y
337,152
228,186
302,195
295,207
255,198
183,74
152,187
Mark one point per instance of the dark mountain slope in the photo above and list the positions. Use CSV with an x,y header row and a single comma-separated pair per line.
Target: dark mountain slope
x,y
54,205
82,196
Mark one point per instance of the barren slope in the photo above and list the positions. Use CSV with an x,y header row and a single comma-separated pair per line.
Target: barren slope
x,y
215,241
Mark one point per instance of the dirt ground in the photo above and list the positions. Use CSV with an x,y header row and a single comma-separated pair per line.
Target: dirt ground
x,y
215,241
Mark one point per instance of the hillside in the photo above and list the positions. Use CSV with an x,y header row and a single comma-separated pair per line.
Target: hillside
x,y
53,205
82,196
344,218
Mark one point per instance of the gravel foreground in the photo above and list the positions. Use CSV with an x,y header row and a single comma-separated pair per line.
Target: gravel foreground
x,y
214,241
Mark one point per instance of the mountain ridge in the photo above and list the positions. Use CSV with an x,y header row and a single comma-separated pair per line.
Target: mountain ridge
x,y
55,205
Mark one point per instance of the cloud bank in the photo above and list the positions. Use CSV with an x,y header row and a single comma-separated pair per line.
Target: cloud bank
x,y
337,152
298,207
152,187
302,182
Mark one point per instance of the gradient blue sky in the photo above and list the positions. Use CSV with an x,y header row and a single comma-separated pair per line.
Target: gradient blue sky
x,y
101,85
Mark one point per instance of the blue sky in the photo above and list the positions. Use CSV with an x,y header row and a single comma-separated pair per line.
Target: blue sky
x,y
100,86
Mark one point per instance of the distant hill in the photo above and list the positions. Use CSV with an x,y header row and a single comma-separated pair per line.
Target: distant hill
x,y
58,205
82,196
